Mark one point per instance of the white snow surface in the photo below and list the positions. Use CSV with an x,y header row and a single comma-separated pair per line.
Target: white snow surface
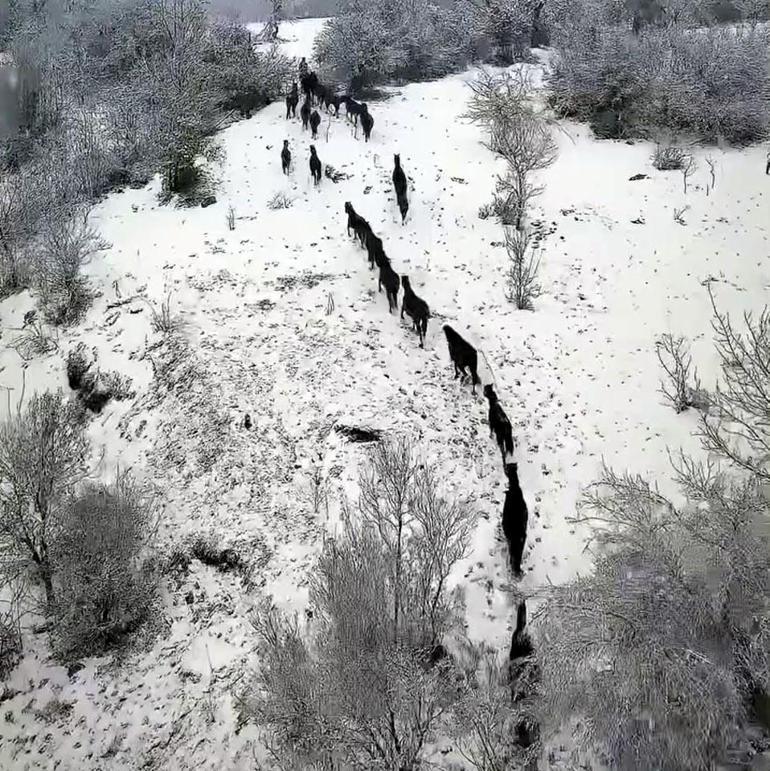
x,y
577,376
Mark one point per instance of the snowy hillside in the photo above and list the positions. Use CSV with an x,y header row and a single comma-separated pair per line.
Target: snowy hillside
x,y
285,323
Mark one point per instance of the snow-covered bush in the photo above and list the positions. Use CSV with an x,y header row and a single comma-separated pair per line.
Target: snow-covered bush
x,y
104,587
487,723
280,201
525,141
367,43
43,454
718,84
712,82
362,690
247,79
668,157
661,648
661,656
66,244
507,23
499,97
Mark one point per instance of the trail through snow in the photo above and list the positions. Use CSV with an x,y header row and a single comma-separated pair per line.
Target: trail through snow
x,y
577,377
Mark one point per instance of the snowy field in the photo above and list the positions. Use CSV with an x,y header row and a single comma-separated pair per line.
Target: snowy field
x,y
285,323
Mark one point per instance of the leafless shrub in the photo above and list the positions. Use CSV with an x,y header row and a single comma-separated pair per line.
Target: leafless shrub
x,y
679,215
54,710
486,211
230,218
525,142
673,355
43,454
740,428
662,654
335,175
361,691
522,274
104,586
86,145
163,320
329,304
669,158
317,492
485,721
118,386
280,201
66,245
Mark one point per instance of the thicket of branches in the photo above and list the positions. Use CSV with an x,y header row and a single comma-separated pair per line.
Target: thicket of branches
x,y
363,689
368,43
507,24
635,70
662,654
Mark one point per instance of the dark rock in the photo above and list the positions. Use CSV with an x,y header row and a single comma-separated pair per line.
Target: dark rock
x,y
637,177
355,434
74,668
207,201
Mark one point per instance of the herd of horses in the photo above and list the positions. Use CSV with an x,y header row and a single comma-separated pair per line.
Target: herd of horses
x,y
463,355
318,95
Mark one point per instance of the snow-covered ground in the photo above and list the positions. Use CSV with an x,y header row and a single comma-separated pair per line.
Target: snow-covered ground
x,y
285,323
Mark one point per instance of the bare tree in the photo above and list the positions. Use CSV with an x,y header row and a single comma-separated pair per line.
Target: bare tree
x,y
674,358
363,691
43,454
740,428
526,143
712,173
688,169
522,276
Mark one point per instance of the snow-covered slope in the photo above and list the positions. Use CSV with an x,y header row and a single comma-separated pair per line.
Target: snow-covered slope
x,y
285,323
